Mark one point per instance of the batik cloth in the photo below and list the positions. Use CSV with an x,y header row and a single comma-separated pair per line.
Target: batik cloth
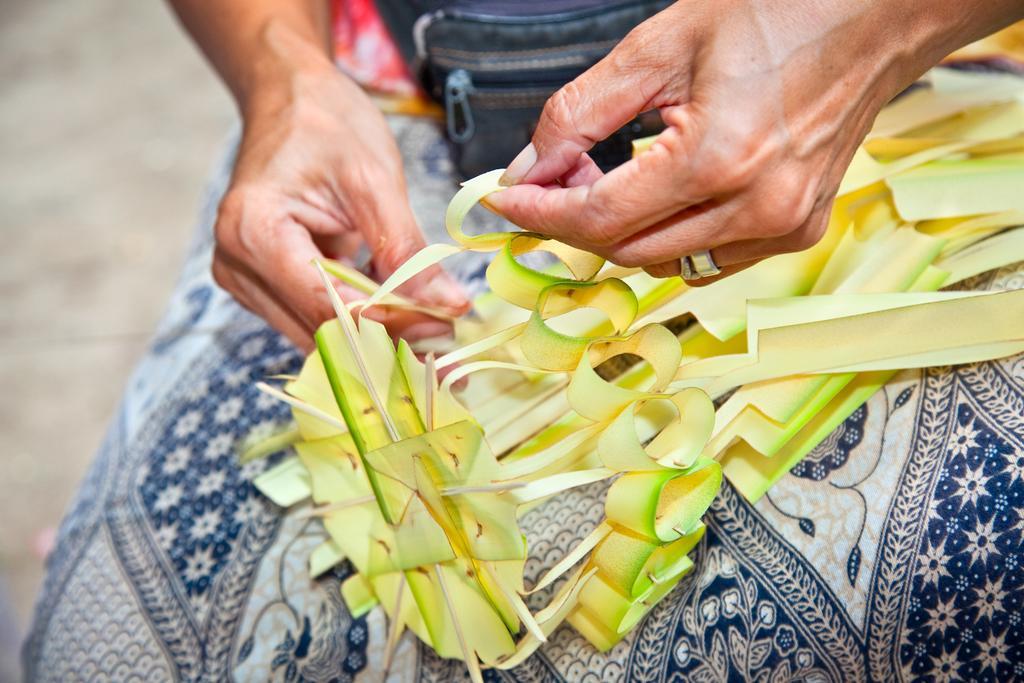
x,y
893,552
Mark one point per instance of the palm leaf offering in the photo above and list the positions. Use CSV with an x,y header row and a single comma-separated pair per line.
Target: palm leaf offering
x,y
585,372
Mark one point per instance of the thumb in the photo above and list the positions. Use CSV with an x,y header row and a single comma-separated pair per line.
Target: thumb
x,y
396,239
582,113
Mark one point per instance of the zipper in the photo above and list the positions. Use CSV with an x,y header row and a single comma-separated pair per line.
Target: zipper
x,y
495,80
561,62
462,92
467,14
458,113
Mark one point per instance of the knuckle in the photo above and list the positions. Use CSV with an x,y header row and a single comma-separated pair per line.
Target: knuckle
x,y
629,258
632,52
599,221
644,50
229,221
810,235
394,251
598,230
222,274
799,240
772,224
632,42
805,239
636,254
741,158
729,170
248,222
786,208
795,196
231,206
559,110
317,309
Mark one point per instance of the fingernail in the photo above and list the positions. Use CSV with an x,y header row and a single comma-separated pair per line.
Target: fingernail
x,y
520,166
490,203
444,291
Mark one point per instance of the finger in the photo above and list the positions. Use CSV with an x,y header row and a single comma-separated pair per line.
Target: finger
x,y
301,286
393,238
316,213
292,278
585,111
804,237
746,253
674,269
251,295
632,197
540,209
269,268
696,228
570,214
665,269
284,265
584,172
345,246
725,272
409,325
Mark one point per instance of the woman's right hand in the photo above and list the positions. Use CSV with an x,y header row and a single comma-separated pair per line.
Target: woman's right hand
x,y
764,104
318,174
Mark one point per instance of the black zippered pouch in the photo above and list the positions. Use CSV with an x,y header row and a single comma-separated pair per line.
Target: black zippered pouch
x,y
493,63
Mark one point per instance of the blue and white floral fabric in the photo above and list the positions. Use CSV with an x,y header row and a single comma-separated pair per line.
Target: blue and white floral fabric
x,y
893,552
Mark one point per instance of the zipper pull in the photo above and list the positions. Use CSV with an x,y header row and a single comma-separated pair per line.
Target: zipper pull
x,y
459,115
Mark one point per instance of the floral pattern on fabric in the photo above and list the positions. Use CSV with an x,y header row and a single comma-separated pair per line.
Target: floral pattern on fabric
x,y
894,553
965,616
196,496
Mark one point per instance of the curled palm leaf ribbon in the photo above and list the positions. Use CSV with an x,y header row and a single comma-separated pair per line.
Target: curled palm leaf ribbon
x,y
421,488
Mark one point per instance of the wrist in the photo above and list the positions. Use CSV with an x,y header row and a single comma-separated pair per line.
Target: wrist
x,y
287,62
918,34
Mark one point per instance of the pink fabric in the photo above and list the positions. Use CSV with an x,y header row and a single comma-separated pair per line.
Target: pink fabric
x,y
363,48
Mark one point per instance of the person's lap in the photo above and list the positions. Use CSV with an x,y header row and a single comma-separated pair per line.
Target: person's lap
x,y
893,551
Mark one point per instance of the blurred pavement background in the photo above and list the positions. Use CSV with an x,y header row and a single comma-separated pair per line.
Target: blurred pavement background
x,y
109,120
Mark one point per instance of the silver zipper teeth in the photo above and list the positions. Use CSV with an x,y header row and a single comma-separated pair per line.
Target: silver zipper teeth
x,y
486,65
522,98
592,47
